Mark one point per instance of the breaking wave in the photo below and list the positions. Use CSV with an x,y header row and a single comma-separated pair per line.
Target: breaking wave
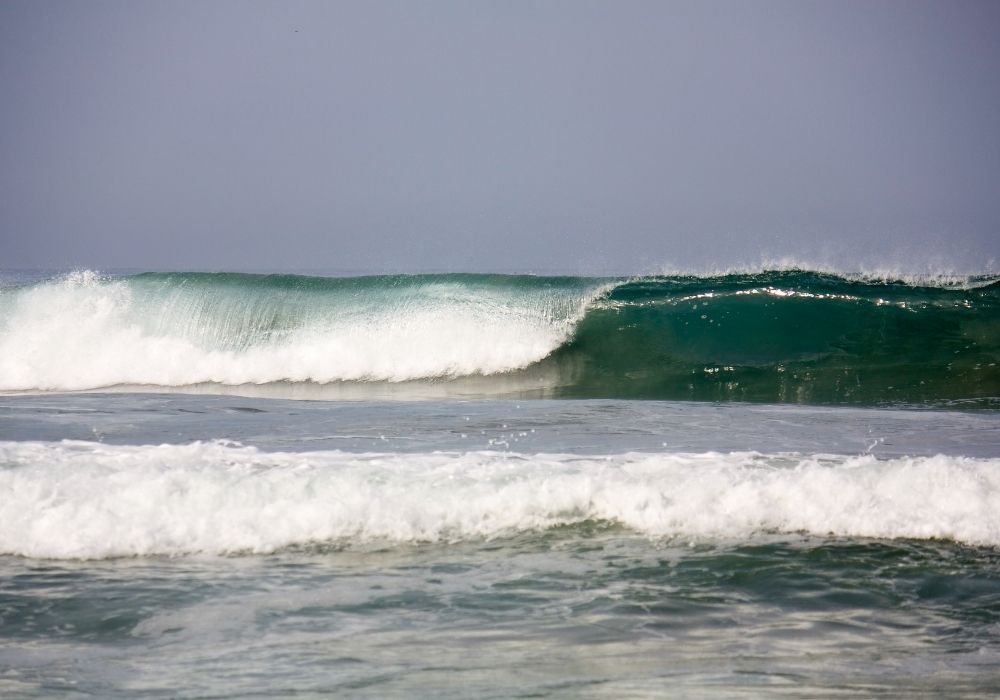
x,y
774,335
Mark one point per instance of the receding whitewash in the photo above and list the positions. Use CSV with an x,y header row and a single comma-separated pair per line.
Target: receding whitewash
x,y
89,500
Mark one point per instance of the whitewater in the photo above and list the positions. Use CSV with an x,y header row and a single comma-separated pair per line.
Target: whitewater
x,y
87,500
244,329
747,483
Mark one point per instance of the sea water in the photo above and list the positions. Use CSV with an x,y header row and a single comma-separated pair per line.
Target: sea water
x,y
499,486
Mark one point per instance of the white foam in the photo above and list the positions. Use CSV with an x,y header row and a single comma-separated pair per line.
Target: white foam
x,y
84,332
89,500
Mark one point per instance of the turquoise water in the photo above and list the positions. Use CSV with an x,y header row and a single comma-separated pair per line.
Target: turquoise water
x,y
239,511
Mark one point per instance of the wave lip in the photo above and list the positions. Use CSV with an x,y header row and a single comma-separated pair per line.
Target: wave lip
x,y
88,500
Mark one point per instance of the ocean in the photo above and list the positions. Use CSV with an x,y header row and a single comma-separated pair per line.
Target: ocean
x,y
752,483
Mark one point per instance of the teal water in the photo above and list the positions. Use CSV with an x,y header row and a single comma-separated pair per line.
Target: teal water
x,y
205,493
800,337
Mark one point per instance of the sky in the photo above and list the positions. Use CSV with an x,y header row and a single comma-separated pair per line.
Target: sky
x,y
557,136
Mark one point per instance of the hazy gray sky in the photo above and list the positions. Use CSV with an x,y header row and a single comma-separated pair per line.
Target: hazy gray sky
x,y
522,136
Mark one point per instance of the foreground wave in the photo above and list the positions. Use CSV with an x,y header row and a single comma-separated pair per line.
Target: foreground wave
x,y
90,500
783,336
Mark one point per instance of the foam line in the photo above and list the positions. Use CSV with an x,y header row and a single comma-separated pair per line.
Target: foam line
x,y
89,500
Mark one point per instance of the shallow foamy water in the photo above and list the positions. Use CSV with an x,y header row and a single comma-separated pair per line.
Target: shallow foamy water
x,y
192,546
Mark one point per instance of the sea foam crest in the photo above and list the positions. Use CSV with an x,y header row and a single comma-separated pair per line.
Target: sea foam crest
x,y
922,275
89,500
84,331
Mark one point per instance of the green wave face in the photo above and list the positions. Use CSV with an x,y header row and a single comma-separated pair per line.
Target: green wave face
x,y
242,311
788,337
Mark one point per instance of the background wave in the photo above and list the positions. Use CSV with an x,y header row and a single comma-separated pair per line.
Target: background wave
x,y
781,335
